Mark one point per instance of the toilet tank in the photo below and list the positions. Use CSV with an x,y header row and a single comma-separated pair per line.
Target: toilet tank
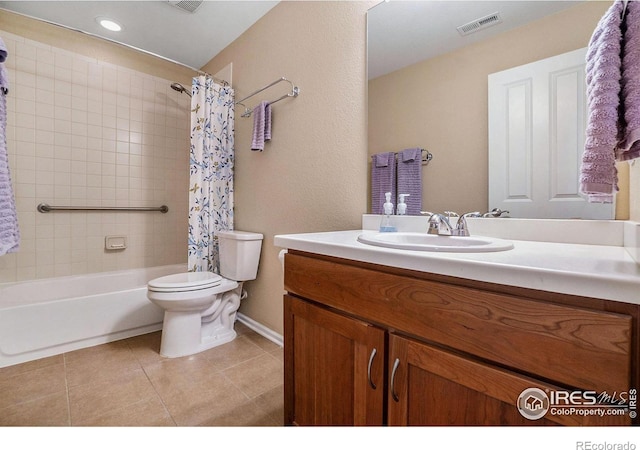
x,y
239,254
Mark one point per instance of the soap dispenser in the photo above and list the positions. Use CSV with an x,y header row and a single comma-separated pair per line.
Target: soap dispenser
x,y
386,224
401,209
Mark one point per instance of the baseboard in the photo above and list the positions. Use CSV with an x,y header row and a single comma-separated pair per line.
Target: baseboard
x,y
261,329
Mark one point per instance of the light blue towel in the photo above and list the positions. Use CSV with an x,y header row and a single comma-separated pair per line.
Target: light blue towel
x,y
383,179
9,233
410,179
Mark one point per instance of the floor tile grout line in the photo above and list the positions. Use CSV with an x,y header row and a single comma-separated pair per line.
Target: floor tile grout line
x,y
164,405
66,384
153,386
223,372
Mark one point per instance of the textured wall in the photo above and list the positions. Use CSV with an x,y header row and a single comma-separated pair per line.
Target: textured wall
x,y
312,175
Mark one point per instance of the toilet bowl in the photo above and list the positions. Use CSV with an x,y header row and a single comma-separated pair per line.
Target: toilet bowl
x,y
200,307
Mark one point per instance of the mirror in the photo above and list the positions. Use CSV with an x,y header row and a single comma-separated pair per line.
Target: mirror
x,y
428,83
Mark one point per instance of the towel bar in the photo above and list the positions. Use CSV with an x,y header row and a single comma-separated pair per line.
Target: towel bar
x,y
295,90
426,156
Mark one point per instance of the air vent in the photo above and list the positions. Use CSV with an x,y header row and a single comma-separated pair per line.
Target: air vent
x,y
480,24
188,6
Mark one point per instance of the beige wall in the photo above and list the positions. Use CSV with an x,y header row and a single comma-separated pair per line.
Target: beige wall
x,y
312,176
441,105
91,123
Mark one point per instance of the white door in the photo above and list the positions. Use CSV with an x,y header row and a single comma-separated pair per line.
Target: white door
x,y
537,122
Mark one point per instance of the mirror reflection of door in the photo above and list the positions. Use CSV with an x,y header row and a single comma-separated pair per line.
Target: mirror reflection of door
x,y
537,122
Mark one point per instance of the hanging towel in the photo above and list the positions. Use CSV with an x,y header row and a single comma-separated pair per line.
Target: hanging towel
x,y
9,233
383,179
410,179
598,176
261,126
4,79
629,146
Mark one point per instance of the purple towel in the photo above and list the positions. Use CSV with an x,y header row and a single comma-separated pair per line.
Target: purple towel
x,y
4,79
9,233
261,126
410,179
598,177
383,179
629,146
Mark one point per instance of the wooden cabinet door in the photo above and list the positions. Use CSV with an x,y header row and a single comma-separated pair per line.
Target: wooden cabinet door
x,y
430,386
334,367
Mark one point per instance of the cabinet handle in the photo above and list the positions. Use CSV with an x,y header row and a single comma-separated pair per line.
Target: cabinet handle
x,y
393,380
373,355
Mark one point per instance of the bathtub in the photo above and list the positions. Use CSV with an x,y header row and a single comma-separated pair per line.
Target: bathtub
x,y
41,318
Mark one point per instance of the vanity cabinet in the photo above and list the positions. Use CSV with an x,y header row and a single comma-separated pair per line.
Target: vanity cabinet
x,y
374,345
339,362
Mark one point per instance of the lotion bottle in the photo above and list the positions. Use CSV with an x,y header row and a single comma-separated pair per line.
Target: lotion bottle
x,y
386,224
401,209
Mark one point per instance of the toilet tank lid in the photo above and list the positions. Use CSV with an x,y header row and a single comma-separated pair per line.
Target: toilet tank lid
x,y
240,235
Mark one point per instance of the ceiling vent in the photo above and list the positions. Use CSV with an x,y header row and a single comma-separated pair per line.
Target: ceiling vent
x,y
480,24
188,6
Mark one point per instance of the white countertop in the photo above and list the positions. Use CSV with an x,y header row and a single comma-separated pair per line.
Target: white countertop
x,y
598,271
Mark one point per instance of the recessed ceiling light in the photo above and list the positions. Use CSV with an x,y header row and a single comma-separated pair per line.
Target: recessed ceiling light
x,y
109,24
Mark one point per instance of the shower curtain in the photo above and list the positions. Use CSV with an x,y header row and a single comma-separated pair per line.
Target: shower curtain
x,y
211,171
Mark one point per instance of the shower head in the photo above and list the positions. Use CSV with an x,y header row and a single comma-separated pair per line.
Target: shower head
x,y
180,88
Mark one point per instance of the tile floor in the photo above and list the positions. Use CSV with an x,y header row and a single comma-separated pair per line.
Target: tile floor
x,y
127,383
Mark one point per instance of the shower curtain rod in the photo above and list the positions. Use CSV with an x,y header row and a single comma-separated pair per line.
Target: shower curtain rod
x,y
113,41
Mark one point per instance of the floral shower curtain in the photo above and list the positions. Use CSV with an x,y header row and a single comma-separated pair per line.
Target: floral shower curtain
x,y
211,171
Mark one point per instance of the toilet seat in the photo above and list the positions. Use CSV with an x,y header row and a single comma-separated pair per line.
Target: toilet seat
x,y
185,282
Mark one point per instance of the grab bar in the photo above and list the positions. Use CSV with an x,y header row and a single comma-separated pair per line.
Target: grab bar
x,y
44,208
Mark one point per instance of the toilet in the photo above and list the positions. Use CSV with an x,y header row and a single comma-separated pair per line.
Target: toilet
x,y
200,307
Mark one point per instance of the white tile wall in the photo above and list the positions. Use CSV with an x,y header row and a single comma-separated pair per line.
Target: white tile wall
x,y
85,132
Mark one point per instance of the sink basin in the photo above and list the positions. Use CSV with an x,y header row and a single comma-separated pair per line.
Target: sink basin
x,y
434,243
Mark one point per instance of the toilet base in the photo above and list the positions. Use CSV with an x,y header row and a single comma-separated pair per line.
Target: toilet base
x,y
189,332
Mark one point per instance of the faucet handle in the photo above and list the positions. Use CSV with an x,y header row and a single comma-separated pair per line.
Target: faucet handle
x,y
461,227
434,222
495,212
452,214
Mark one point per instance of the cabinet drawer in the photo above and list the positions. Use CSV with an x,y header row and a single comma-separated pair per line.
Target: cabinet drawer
x,y
572,346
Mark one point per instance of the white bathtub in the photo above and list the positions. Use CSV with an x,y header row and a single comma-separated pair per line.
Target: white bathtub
x,y
47,317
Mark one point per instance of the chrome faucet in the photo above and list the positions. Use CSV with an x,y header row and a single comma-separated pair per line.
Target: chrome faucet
x,y
440,224
495,212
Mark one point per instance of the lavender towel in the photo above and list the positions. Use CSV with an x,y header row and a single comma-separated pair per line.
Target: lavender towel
x,y
598,177
261,126
9,233
4,79
383,179
410,179
629,147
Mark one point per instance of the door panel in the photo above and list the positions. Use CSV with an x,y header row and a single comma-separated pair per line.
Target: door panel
x,y
537,122
434,387
335,380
